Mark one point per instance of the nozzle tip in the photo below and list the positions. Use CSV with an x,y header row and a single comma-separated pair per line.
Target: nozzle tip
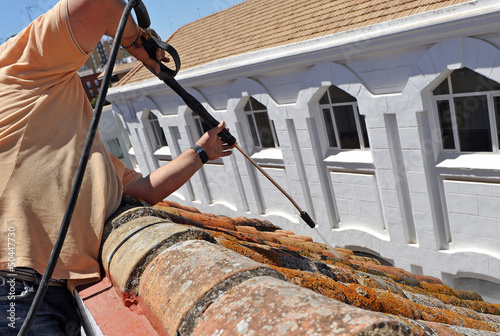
x,y
305,216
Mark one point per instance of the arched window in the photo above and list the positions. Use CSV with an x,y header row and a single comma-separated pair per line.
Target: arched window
x,y
262,129
468,106
345,127
159,135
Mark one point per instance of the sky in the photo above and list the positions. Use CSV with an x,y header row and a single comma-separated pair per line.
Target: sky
x,y
166,15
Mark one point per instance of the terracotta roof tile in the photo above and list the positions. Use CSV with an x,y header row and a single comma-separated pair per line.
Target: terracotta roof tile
x,y
259,24
146,255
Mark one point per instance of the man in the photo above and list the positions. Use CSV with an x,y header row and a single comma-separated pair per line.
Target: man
x,y
44,119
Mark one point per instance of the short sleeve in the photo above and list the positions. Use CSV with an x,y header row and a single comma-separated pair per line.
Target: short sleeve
x,y
128,176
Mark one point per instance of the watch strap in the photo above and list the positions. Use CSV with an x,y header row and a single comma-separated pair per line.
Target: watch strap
x,y
201,153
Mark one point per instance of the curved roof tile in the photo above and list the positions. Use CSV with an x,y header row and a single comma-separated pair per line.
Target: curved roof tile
x,y
184,279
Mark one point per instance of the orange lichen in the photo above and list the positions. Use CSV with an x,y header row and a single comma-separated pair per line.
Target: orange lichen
x,y
438,289
343,274
365,260
455,297
359,281
266,236
316,282
397,305
361,296
445,316
247,252
283,247
221,235
428,279
467,295
395,273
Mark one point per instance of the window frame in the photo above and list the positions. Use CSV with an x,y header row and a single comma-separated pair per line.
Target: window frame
x,y
450,99
115,141
158,133
254,132
360,132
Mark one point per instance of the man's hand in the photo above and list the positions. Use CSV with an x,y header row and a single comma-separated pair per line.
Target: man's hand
x,y
136,49
213,145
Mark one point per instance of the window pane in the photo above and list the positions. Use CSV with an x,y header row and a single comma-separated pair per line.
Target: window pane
x,y
330,131
443,88
257,105
253,130
161,141
324,100
247,107
362,124
473,124
346,126
114,148
264,128
340,96
465,80
446,124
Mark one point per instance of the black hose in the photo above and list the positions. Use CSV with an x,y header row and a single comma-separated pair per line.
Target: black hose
x,y
77,183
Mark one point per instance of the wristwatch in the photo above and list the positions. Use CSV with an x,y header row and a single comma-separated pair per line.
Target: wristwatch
x,y
201,153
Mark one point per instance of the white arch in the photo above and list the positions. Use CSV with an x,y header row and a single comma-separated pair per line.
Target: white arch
x,y
323,75
451,54
247,87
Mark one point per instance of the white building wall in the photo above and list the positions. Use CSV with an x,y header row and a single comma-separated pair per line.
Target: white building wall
x,y
403,199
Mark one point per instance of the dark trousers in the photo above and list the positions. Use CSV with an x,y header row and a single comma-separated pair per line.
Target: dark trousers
x,y
57,315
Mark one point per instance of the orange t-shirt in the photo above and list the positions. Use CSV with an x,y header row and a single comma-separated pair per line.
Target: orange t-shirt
x,y
44,120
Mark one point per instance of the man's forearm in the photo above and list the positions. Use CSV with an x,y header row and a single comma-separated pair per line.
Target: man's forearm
x,y
170,177
166,179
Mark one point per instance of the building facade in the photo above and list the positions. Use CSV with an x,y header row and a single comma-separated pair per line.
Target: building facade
x,y
386,134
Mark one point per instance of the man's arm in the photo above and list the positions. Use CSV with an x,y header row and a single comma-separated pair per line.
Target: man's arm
x,y
170,177
92,19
